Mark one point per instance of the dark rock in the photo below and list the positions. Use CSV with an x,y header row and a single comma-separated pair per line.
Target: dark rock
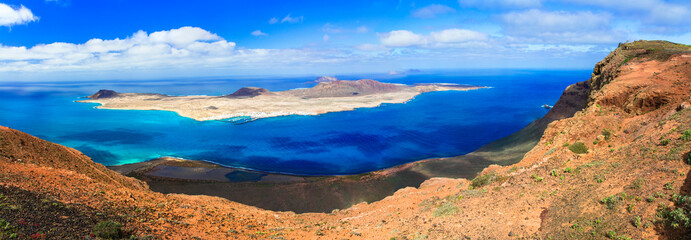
x,y
249,92
104,93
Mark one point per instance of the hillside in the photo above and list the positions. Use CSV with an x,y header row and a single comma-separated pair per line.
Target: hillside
x,y
342,88
290,193
618,169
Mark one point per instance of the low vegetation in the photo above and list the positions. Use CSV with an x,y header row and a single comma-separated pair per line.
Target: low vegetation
x,y
612,201
607,134
578,148
656,50
108,230
445,209
481,181
679,216
686,136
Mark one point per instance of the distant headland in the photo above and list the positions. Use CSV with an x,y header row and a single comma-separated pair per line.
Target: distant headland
x,y
329,95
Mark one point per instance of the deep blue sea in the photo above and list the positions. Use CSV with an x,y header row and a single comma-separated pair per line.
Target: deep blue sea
x,y
437,124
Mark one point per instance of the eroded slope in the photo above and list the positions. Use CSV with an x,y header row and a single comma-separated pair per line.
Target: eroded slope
x,y
617,169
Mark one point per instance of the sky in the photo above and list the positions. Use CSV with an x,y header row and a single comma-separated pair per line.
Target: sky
x,y
62,40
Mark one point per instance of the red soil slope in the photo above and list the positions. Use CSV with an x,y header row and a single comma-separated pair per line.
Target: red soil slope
x,y
625,185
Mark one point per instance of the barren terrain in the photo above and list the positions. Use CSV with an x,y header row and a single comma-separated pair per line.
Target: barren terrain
x,y
335,96
617,169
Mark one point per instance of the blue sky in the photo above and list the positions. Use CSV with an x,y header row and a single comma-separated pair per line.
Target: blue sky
x,y
122,39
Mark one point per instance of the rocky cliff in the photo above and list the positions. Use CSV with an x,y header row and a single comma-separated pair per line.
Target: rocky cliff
x,y
617,169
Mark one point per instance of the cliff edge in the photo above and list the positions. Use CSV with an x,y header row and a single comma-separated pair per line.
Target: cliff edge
x,y
618,168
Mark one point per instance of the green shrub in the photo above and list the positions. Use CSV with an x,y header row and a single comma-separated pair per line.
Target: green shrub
x,y
668,186
607,133
681,200
679,217
611,234
578,148
7,231
664,142
688,158
637,222
536,177
445,209
568,170
481,181
686,136
108,230
611,201
638,183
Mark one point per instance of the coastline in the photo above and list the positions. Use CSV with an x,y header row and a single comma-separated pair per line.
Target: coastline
x,y
631,182
170,175
257,103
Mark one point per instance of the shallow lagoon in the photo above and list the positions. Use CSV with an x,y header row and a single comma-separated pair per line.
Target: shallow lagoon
x,y
437,124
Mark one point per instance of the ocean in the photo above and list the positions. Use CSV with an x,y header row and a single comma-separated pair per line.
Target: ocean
x,y
436,124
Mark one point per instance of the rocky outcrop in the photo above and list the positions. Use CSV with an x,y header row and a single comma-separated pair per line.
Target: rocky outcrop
x,y
650,86
609,68
104,93
249,92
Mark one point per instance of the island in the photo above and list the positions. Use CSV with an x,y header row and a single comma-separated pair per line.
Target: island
x,y
255,103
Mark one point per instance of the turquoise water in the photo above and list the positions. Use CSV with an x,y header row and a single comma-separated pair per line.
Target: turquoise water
x,y
438,124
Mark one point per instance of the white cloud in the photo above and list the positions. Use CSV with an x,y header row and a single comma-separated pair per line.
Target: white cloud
x,y
180,37
457,35
10,16
326,38
273,20
258,33
176,49
560,27
401,38
656,15
446,38
432,11
290,19
500,3
140,47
